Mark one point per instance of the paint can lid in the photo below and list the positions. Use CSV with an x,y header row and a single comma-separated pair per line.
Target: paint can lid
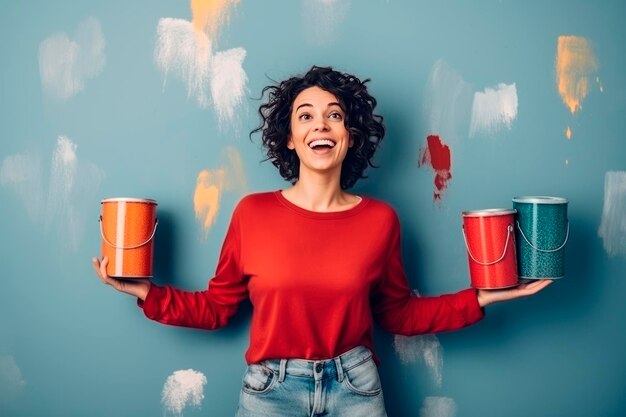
x,y
489,212
128,200
540,199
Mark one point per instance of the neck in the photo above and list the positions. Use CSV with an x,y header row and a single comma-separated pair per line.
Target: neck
x,y
319,193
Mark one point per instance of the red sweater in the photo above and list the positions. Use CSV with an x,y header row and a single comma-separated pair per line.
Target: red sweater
x,y
316,282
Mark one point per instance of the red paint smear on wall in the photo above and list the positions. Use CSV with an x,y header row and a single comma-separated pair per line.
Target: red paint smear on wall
x,y
437,155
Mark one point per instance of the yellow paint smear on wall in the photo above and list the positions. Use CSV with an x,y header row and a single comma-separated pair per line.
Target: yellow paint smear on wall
x,y
211,184
575,63
208,15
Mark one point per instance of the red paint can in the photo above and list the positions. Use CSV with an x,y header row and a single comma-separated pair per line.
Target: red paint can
x,y
490,241
127,226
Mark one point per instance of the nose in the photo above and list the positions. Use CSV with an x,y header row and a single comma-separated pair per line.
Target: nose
x,y
321,125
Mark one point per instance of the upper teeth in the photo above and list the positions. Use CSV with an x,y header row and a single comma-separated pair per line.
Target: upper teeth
x,y
320,142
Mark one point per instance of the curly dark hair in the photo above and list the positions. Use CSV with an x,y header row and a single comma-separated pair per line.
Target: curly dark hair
x,y
366,128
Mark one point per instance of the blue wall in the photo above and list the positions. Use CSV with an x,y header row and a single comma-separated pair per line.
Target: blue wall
x,y
71,347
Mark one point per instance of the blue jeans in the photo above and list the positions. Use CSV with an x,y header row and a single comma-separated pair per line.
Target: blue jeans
x,y
347,385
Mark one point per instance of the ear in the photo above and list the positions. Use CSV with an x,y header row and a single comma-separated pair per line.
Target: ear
x,y
290,144
350,142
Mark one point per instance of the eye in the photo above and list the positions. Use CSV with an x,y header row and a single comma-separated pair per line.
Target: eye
x,y
336,115
304,116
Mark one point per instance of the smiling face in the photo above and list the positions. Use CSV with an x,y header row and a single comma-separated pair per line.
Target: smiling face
x,y
318,132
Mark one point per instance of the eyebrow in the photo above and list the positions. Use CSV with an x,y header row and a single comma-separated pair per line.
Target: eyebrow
x,y
332,103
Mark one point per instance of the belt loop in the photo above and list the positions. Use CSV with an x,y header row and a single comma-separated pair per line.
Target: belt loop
x,y
339,369
282,370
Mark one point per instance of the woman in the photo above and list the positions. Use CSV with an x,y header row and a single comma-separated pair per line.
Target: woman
x,y
318,263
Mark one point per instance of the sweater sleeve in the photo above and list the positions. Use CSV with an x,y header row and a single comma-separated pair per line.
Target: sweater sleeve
x,y
399,311
208,309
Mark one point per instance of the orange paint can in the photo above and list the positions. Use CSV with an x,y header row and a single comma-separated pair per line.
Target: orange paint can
x,y
128,226
490,241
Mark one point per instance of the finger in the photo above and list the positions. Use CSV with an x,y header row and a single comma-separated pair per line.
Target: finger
x,y
101,269
96,266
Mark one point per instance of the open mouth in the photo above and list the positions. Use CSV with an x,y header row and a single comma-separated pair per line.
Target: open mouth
x,y
322,144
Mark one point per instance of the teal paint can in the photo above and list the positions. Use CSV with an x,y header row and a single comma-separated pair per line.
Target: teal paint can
x,y
541,231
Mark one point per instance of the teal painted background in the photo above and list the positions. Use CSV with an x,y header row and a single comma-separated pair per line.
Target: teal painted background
x,y
71,347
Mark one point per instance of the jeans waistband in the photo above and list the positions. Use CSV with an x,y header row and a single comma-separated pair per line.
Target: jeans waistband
x,y
318,369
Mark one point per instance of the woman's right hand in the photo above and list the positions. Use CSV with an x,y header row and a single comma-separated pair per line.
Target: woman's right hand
x,y
138,288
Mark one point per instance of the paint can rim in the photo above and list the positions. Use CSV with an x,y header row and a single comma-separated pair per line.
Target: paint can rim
x,y
128,200
540,199
489,212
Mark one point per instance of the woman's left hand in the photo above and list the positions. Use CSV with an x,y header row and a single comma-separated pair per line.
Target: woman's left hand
x,y
486,297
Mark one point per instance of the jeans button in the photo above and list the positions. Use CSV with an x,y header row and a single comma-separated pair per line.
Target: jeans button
x,y
319,367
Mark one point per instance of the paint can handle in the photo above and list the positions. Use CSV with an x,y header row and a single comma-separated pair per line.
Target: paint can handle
x,y
544,250
156,223
509,230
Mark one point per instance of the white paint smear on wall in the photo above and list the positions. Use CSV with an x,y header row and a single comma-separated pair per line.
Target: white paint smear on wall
x,y
186,53
62,174
493,109
183,389
612,228
447,102
11,380
23,173
228,83
438,407
61,215
65,64
322,19
72,188
423,348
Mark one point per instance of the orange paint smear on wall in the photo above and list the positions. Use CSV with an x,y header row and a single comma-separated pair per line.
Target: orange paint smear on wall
x,y
206,199
208,15
211,184
575,63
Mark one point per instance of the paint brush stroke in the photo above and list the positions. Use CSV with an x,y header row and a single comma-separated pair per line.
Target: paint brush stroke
x,y
11,380
228,83
423,348
575,65
437,155
182,389
447,102
322,19
493,109
612,228
438,407
65,64
211,184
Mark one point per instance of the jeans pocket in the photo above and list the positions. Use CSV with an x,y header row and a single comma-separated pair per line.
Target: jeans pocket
x,y
258,379
363,379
